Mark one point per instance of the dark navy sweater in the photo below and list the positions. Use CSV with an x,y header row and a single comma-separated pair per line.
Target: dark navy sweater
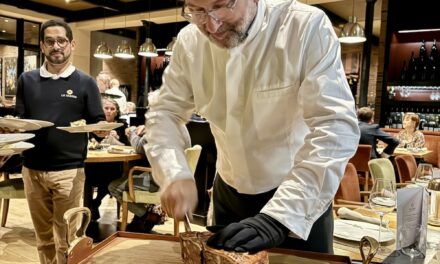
x,y
59,101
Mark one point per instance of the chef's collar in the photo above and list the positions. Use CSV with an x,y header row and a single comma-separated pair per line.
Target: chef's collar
x,y
258,21
46,74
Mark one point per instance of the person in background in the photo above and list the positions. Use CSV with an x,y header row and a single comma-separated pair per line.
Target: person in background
x,y
114,90
145,216
268,77
103,81
410,136
371,133
53,171
130,112
101,174
131,107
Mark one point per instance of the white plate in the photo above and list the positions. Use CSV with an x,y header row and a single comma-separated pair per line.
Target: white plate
x,y
91,127
355,230
13,138
15,148
42,123
16,123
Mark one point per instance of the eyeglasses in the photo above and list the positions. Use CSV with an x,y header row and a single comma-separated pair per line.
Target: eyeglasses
x,y
50,43
201,17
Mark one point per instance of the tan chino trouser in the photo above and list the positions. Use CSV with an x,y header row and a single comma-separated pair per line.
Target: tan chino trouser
x,y
49,195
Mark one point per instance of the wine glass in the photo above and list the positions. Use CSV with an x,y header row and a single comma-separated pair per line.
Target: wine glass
x,y
424,174
382,200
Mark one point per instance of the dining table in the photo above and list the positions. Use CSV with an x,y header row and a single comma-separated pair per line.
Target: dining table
x,y
122,154
417,153
349,247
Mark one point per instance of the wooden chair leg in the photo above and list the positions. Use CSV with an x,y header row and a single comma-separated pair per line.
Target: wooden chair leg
x,y
124,216
367,179
5,212
176,228
118,210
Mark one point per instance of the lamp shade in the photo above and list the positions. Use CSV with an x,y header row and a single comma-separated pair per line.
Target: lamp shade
x,y
148,49
352,32
124,51
103,51
170,47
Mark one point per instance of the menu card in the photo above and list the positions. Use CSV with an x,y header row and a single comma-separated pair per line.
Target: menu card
x,y
412,219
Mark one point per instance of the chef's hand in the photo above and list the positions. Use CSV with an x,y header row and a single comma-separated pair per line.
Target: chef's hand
x,y
251,234
179,198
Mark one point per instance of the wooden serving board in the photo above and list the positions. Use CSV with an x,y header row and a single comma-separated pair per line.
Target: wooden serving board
x,y
124,247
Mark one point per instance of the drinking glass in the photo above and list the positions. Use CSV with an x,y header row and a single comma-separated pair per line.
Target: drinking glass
x,y
382,200
424,174
408,233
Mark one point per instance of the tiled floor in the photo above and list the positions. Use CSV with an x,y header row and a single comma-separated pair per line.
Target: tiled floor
x,y
17,240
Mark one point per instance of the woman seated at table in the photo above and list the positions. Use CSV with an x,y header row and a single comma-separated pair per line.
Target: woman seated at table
x,y
101,174
410,137
146,216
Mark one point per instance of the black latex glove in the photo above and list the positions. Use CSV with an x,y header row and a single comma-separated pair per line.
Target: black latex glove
x,y
251,234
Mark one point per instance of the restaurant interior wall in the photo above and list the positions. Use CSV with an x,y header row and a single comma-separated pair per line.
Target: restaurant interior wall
x,y
352,59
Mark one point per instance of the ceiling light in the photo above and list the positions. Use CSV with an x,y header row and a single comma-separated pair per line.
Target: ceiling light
x,y
352,32
124,51
170,47
148,49
103,51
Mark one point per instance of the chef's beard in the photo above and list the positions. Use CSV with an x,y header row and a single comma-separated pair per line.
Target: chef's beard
x,y
236,34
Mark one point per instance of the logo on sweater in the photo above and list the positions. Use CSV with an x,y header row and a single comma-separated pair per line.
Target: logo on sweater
x,y
69,93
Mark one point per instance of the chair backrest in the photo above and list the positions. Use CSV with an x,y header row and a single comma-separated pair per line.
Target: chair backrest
x,y
382,169
406,167
361,157
349,187
192,155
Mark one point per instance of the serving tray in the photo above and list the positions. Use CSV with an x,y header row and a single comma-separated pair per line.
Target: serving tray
x,y
126,247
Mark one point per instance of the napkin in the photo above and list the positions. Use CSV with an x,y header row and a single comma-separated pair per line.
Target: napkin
x,y
119,150
346,213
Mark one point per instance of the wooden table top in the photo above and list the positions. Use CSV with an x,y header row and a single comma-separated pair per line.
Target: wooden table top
x,y
351,248
97,156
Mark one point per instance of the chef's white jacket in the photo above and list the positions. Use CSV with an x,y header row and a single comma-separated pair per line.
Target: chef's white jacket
x,y
278,105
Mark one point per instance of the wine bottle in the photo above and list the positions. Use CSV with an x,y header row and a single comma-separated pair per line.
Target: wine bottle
x,y
412,68
434,50
403,72
422,50
423,69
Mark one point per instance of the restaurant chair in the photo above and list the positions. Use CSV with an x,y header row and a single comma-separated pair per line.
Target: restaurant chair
x,y
349,194
382,168
9,189
360,161
406,167
138,196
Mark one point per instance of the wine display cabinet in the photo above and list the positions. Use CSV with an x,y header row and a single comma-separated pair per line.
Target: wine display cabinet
x,y
411,80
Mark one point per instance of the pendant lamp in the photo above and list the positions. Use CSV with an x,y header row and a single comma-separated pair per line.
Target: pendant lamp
x,y
148,49
352,32
103,51
123,50
170,47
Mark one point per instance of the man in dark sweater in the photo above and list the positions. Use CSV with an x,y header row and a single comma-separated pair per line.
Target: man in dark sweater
x,y
53,171
371,133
